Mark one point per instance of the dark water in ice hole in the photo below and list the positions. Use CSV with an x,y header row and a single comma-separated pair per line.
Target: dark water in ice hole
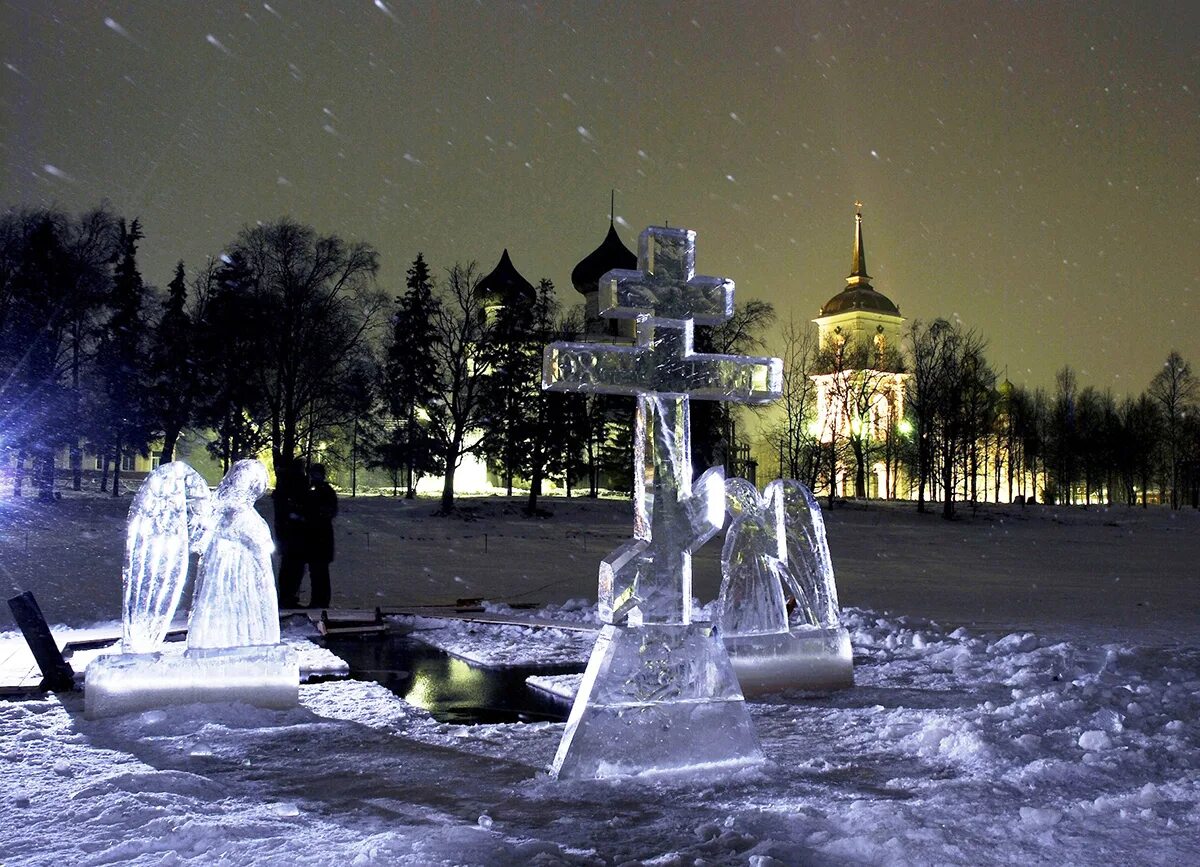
x,y
446,686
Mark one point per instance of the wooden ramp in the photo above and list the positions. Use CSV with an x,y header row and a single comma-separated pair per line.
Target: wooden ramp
x,y
20,675
449,612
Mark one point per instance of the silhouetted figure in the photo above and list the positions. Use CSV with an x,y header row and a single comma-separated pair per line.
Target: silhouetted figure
x,y
320,509
291,497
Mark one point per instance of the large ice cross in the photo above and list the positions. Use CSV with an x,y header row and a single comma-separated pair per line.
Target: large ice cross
x,y
649,579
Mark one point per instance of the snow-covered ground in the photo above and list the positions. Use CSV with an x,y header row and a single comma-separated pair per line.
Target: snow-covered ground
x,y
1074,742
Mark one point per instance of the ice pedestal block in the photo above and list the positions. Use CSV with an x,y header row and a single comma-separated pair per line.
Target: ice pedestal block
x,y
657,698
264,676
804,658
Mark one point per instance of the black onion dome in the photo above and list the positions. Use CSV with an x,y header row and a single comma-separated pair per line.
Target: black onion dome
x,y
859,297
506,285
612,253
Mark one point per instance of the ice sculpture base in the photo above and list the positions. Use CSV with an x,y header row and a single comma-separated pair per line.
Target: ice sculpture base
x,y
656,698
265,676
805,658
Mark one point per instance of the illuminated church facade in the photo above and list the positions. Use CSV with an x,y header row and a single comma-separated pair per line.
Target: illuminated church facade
x,y
860,382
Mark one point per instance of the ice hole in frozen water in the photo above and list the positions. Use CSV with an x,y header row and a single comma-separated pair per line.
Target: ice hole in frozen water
x,y
452,690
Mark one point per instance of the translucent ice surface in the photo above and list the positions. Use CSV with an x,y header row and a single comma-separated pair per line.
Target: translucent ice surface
x,y
649,578
753,563
235,603
809,566
658,698
658,686
169,515
130,682
755,571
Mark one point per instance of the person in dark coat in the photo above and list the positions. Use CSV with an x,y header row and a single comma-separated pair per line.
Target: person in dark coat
x,y
321,508
291,498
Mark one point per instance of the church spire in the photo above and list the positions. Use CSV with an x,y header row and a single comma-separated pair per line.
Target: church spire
x,y
858,270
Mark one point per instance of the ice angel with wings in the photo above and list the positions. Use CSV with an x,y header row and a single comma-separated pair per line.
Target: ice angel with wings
x,y
775,548
173,515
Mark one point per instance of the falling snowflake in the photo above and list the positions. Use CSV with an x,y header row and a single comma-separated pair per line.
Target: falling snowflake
x,y
216,43
57,172
117,28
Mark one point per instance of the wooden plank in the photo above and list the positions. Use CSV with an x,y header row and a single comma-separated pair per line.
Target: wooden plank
x,y
57,673
495,619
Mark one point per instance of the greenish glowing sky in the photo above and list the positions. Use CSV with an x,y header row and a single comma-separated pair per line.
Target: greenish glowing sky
x,y
1031,168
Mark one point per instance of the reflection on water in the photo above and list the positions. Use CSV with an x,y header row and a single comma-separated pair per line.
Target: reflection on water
x,y
450,689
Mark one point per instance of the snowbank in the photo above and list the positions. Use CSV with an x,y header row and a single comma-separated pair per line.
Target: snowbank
x,y
955,747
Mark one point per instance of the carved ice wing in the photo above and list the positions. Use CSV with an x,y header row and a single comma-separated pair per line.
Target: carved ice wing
x,y
742,498
706,507
809,563
156,552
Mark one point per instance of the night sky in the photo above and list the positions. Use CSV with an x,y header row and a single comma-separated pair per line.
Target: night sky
x,y
1033,169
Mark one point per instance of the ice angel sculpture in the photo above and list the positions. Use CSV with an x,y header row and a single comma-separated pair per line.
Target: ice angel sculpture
x,y
233,651
809,566
167,520
775,548
235,602
753,563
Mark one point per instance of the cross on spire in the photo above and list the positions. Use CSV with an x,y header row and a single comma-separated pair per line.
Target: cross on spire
x,y
858,268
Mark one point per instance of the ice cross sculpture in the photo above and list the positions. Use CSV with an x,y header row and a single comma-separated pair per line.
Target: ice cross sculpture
x,y
649,579
659,692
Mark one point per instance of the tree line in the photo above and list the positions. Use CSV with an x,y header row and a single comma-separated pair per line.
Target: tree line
x,y
966,435
285,342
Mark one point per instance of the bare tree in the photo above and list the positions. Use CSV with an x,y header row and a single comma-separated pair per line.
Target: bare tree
x,y
791,437
857,379
948,367
460,349
319,303
1175,391
714,423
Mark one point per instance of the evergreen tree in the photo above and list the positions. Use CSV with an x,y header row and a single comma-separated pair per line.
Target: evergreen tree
x,y
513,381
122,417
230,321
410,372
33,316
172,367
